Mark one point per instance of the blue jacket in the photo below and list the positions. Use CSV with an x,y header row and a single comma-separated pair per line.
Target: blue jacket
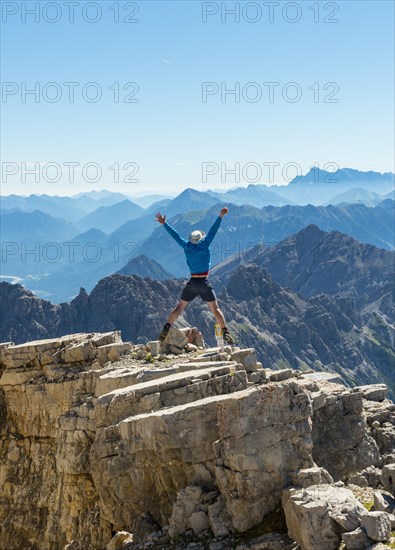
x,y
197,255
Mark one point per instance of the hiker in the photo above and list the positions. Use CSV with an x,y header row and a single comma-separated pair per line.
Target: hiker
x,y
197,253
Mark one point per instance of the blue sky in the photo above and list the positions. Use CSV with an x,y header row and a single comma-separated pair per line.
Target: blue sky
x,y
170,134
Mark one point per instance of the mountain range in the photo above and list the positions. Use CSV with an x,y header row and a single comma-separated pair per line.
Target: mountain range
x,y
320,186
313,261
71,208
339,319
55,244
247,226
61,258
316,187
109,218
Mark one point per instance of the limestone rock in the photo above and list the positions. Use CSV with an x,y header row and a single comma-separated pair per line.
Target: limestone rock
x,y
106,338
384,502
186,513
373,392
247,357
319,399
198,521
369,477
312,476
356,540
342,442
94,440
215,434
119,539
257,377
219,519
179,340
278,376
388,478
377,526
316,515
176,338
112,352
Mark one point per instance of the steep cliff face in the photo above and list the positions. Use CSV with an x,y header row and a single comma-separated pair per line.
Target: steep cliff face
x,y
99,436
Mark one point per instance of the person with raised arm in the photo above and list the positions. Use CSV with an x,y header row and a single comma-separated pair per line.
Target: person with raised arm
x,y
197,254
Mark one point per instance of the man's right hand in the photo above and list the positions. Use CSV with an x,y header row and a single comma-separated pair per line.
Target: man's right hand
x,y
159,218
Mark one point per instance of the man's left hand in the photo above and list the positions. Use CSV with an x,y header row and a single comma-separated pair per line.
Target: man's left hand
x,y
223,212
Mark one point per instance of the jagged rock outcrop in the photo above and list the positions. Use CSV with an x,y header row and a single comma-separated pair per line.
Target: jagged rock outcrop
x,y
145,267
314,261
98,437
287,331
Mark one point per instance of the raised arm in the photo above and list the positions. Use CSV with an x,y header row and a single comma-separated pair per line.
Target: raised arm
x,y
214,228
162,220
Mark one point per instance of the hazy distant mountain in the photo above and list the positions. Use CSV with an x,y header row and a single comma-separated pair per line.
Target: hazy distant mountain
x,y
58,207
30,242
112,198
94,199
94,194
145,267
100,195
256,195
93,235
357,195
369,225
109,218
86,203
34,226
133,231
345,177
10,210
148,200
99,256
70,208
388,204
190,200
320,186
156,206
246,226
140,228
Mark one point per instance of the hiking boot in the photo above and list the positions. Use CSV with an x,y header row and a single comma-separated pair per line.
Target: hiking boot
x,y
164,332
227,337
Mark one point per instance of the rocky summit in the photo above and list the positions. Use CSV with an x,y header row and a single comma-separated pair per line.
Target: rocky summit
x,y
112,445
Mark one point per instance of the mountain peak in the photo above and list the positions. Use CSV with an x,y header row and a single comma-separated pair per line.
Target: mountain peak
x,y
143,266
190,191
342,177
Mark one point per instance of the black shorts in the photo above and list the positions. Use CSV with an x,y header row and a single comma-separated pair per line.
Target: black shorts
x,y
198,286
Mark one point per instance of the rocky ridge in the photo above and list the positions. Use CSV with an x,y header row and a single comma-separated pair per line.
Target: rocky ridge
x,y
287,330
108,444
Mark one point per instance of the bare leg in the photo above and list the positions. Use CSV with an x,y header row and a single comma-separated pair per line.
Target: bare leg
x,y
219,316
174,315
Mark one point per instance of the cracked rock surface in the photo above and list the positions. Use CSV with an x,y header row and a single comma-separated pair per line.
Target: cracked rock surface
x,y
106,444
